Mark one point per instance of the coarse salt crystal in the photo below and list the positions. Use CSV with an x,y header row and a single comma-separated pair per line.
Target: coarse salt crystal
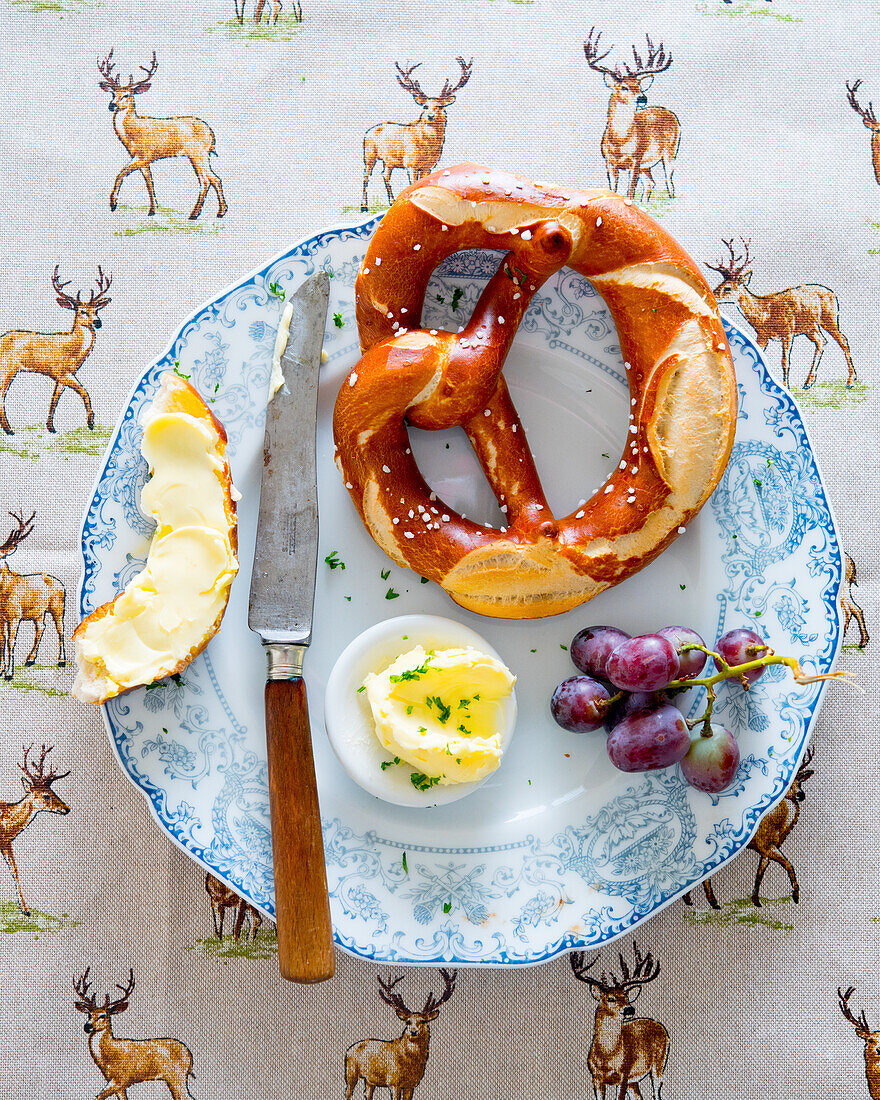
x,y
349,485
517,295
377,262
627,202
539,507
444,228
366,271
633,429
513,429
500,320
396,324
352,378
411,513
487,412
445,518
390,314
432,331
409,534
395,520
386,469
527,235
416,247
579,515
598,222
622,465
403,309
635,469
608,488
682,530
503,507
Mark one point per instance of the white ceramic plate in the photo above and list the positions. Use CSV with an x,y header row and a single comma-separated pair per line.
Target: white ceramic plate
x,y
557,850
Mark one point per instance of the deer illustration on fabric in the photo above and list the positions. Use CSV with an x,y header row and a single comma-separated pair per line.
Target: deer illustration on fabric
x,y
27,597
625,1048
38,798
150,139
57,355
774,829
807,310
870,120
414,146
396,1064
637,137
851,610
870,1038
127,1062
222,898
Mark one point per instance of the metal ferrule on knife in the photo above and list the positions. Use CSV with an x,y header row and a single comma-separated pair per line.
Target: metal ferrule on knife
x,y
284,662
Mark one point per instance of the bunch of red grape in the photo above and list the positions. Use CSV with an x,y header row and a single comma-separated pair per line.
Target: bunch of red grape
x,y
628,686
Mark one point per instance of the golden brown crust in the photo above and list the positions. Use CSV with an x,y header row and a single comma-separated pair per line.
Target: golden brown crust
x,y
679,369
177,395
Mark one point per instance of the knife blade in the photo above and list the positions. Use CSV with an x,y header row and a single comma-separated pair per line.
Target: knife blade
x,y
281,607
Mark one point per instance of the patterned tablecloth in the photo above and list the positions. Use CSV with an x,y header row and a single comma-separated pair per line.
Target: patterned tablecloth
x,y
775,155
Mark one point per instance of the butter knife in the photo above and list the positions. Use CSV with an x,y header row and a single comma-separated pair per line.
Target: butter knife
x,y
281,605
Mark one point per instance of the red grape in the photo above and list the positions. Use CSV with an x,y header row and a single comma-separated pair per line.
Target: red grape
x,y
691,663
632,703
711,762
579,704
646,663
734,647
591,647
648,740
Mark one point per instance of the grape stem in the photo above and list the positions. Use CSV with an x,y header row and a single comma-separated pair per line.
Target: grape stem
x,y
728,672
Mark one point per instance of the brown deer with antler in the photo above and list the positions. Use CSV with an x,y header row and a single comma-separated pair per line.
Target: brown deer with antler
x,y
774,829
414,146
851,610
56,355
222,898
396,1064
127,1062
804,310
870,120
637,137
38,798
870,1038
26,597
151,139
625,1049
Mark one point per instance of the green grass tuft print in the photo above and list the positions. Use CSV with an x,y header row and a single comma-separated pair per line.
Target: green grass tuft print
x,y
37,924
286,29
40,678
34,441
55,7
741,911
831,395
759,9
136,220
265,946
375,207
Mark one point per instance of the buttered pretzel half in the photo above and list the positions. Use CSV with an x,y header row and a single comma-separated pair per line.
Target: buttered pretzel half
x,y
678,364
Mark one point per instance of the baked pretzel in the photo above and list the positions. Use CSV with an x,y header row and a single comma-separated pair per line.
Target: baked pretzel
x,y
677,359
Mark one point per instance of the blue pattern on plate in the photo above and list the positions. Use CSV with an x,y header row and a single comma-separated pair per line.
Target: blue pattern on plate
x,y
206,781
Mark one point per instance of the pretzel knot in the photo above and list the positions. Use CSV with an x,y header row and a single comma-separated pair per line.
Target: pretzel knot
x,y
678,363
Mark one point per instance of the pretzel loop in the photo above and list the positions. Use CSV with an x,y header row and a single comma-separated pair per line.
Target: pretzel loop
x,y
678,365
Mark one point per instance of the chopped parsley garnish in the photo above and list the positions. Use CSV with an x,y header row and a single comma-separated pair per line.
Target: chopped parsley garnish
x,y
179,372
465,731
561,646
533,651
391,594
403,861
440,298
337,320
409,709
423,729
757,482
477,697
757,614
334,561
389,763
457,295
409,673
447,906
605,455
347,598
463,703
424,580
423,782
384,574
682,587
443,711
363,687
277,289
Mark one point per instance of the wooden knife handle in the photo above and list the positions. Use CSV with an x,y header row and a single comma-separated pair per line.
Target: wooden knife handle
x,y
302,907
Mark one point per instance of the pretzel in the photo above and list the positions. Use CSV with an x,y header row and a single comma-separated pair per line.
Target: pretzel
x,y
678,364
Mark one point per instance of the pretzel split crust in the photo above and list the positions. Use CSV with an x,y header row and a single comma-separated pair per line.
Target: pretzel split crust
x,y
678,364
167,613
